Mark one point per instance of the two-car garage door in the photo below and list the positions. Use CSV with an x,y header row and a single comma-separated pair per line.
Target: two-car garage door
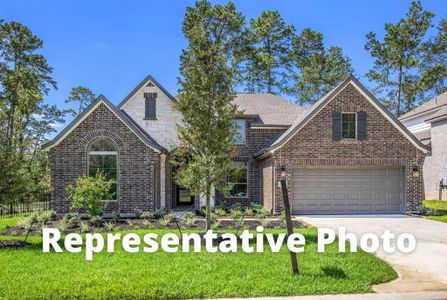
x,y
347,190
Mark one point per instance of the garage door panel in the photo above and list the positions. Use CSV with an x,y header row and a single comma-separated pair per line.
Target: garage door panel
x,y
350,190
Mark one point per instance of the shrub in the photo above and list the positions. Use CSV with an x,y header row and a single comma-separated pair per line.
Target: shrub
x,y
148,215
46,217
236,213
89,192
263,213
159,213
201,212
148,224
168,218
428,211
221,212
109,226
282,219
72,220
84,227
265,223
130,223
250,212
190,219
137,212
96,221
24,223
62,226
116,216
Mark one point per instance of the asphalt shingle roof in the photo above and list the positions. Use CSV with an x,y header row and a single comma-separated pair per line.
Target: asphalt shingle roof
x,y
434,103
272,109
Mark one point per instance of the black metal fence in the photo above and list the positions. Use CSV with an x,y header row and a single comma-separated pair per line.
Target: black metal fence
x,y
22,209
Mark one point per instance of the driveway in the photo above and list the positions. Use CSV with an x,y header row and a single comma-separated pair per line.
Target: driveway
x,y
425,269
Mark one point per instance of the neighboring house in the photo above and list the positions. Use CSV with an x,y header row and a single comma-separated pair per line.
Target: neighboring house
x,y
345,154
428,123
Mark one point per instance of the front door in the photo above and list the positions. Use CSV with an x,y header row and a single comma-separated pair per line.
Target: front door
x,y
184,197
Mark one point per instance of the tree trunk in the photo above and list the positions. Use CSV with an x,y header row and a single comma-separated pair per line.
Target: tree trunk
x,y
208,209
399,92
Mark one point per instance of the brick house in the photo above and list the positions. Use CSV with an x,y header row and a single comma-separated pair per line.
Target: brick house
x,y
428,123
344,155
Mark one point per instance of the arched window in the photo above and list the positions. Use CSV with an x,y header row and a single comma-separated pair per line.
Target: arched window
x,y
102,157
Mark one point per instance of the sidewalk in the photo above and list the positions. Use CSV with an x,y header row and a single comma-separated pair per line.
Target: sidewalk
x,y
438,295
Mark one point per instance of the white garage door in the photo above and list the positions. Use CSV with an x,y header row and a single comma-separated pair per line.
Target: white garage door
x,y
348,190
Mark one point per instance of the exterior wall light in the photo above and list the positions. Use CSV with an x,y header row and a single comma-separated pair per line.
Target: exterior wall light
x,y
416,171
283,173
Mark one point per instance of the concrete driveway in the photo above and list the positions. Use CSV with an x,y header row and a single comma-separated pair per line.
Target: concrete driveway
x,y
425,269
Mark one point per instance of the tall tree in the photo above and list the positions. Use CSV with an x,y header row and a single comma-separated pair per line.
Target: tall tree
x,y
25,78
434,62
397,58
82,97
265,53
206,98
314,69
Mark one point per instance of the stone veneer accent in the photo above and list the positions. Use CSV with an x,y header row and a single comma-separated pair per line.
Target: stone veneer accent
x,y
384,146
138,164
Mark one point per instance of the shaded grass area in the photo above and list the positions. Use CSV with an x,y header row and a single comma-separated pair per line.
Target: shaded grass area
x,y
30,273
440,208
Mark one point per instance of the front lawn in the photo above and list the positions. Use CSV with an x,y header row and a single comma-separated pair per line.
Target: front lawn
x,y
30,273
438,208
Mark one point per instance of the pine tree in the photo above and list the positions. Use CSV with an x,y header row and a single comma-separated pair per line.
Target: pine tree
x,y
82,96
315,70
397,58
265,53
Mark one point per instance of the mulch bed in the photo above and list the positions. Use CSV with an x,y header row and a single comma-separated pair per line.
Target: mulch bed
x,y
123,224
13,244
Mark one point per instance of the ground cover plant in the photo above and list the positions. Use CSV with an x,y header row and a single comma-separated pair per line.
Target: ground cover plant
x,y
28,272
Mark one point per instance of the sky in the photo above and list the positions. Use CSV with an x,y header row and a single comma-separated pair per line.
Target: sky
x,y
110,46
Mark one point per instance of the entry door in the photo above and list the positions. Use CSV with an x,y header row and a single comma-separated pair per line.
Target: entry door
x,y
348,190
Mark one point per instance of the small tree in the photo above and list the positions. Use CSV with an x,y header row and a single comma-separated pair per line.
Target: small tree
x,y
206,98
89,192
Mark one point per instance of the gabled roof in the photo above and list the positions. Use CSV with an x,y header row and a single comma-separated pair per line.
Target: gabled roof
x,y
431,105
141,134
314,109
271,109
146,80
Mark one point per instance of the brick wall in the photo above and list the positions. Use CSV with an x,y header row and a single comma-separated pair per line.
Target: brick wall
x,y
138,164
384,146
256,139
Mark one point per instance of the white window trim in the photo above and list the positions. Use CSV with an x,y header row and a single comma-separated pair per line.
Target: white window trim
x,y
356,124
246,164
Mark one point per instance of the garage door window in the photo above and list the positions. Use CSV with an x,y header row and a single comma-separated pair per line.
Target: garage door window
x,y
348,126
239,181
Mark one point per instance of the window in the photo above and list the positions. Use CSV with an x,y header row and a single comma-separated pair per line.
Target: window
x,y
348,126
102,157
150,106
240,137
239,181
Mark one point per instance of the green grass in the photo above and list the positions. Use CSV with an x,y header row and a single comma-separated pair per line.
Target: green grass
x,y
441,208
30,273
